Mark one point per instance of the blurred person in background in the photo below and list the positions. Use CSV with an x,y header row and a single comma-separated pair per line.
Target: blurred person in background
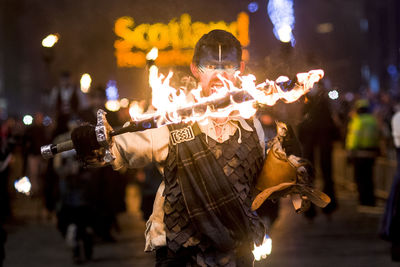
x,y
384,111
149,179
75,214
10,158
317,133
390,228
65,101
362,144
3,237
109,186
6,150
36,135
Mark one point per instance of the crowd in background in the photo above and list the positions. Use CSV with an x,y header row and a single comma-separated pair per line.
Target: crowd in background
x,y
85,202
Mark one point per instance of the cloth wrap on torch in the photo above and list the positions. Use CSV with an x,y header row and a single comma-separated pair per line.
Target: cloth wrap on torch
x,y
284,175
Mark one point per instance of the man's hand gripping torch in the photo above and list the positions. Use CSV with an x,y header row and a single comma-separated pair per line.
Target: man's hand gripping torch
x,y
103,132
103,135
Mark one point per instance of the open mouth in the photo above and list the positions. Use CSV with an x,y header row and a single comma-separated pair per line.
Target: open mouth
x,y
216,85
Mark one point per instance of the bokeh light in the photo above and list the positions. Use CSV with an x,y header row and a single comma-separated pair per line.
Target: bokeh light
x,y
334,94
50,40
282,16
27,119
23,185
85,82
252,7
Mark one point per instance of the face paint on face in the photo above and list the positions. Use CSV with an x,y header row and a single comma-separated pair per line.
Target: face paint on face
x,y
210,65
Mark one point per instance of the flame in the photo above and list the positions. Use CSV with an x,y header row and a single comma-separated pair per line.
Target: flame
x,y
85,82
170,103
135,110
50,40
23,185
262,251
153,54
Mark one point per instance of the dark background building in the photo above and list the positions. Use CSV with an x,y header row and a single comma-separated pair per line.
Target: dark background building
x,y
356,42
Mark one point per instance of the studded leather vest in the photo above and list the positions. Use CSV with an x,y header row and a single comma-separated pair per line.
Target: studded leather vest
x,y
241,163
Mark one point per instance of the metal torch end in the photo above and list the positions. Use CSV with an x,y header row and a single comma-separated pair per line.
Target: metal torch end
x,y
46,151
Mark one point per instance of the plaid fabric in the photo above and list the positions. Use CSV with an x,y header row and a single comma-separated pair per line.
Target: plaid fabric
x,y
212,206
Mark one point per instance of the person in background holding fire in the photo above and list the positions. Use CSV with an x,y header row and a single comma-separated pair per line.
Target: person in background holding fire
x,y
202,213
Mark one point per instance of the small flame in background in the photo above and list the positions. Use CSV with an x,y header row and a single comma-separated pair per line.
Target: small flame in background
x,y
262,251
85,82
136,109
50,40
168,100
153,54
23,185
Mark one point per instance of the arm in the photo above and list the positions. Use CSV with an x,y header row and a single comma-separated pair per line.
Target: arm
x,y
131,150
136,150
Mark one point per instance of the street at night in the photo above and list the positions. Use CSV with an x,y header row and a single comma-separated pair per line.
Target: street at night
x,y
174,133
347,238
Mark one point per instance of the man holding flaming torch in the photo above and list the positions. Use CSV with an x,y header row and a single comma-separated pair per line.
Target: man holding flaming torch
x,y
204,214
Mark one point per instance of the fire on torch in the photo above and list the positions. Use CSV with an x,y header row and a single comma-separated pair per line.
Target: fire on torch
x,y
173,106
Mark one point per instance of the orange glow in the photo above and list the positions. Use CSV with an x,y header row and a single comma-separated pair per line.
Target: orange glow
x,y
175,40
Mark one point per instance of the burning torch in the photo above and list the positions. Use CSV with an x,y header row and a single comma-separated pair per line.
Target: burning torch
x,y
173,107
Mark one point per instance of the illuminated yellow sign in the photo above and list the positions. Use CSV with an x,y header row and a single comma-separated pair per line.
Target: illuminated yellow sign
x,y
175,40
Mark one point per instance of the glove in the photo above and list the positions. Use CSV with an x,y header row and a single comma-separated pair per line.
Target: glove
x,y
85,142
286,175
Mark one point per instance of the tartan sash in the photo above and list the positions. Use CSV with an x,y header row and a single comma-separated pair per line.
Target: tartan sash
x,y
212,205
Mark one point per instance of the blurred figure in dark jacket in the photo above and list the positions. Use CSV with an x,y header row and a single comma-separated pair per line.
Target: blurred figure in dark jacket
x,y
75,214
36,136
390,228
317,132
109,187
7,144
65,100
149,179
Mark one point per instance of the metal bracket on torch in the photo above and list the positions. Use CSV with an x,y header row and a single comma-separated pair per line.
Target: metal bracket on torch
x,y
104,135
103,130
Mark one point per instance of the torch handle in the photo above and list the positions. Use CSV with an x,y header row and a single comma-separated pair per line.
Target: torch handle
x,y
48,151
